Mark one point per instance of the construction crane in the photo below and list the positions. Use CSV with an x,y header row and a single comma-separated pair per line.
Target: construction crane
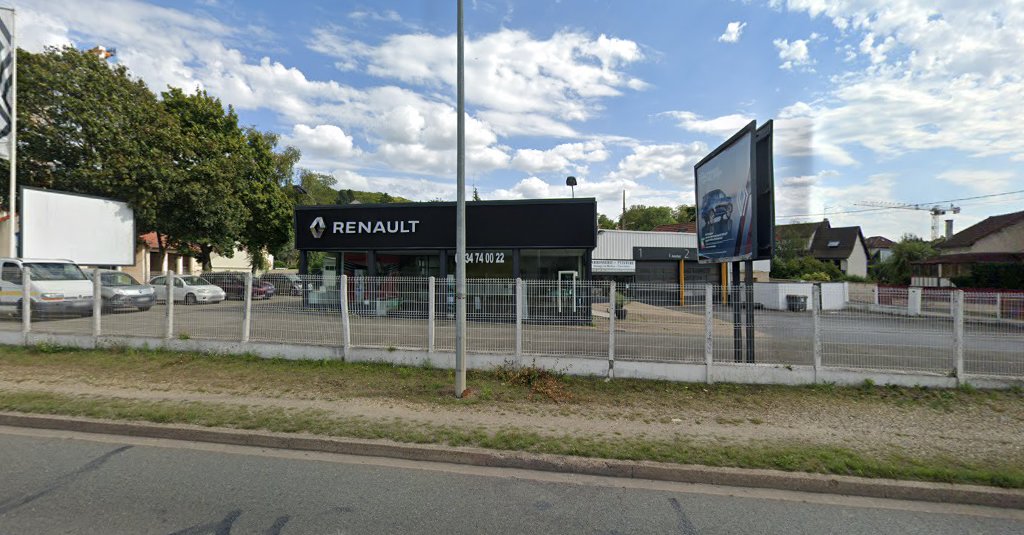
x,y
936,211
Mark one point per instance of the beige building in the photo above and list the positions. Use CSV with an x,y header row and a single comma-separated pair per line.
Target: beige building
x,y
996,240
150,262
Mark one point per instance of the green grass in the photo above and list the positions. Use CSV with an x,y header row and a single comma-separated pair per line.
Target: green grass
x,y
780,456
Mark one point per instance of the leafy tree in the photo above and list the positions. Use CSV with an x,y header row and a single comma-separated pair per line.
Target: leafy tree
x,y
319,188
805,267
604,222
346,196
1001,276
385,198
640,217
896,268
476,194
207,212
269,222
86,126
685,213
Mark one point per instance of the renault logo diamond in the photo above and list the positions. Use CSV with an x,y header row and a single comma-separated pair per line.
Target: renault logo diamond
x,y
317,227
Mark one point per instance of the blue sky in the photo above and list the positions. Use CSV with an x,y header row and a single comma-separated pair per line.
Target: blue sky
x,y
909,102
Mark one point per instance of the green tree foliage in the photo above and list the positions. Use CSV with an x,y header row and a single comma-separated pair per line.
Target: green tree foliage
x,y
86,126
685,213
319,188
896,268
208,213
346,196
640,217
268,226
476,194
604,222
803,267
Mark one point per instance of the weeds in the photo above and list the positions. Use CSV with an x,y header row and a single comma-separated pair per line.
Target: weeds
x,y
540,381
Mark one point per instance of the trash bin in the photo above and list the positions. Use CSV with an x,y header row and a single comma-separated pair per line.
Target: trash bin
x,y
796,303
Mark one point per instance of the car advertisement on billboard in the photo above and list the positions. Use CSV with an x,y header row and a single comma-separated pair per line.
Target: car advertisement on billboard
x,y
725,201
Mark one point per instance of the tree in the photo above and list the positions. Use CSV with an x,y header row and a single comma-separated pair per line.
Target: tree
x,y
640,217
385,198
86,126
896,268
207,212
604,222
346,196
476,194
269,223
685,213
319,188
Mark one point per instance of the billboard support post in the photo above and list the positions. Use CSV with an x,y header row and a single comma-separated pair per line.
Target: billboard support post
x,y
737,329
748,266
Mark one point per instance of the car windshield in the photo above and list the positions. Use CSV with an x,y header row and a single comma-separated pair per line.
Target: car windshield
x,y
55,271
195,281
118,279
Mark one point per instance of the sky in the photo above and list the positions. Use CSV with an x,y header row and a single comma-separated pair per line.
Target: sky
x,y
873,101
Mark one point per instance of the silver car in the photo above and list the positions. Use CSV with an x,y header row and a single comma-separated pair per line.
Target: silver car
x,y
121,290
188,289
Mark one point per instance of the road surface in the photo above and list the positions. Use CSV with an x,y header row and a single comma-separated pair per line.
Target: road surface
x,y
63,482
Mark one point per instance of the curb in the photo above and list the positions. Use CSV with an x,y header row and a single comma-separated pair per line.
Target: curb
x,y
735,477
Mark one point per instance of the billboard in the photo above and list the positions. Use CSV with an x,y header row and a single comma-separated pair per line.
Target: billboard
x,y
725,185
86,230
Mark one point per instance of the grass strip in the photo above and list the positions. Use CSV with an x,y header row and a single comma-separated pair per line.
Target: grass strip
x,y
779,456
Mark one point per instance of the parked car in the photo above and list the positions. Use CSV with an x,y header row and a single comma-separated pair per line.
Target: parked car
x,y
188,289
120,290
233,285
284,282
57,287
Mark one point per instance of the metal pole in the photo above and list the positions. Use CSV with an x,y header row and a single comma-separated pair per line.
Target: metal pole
x,y
958,335
247,309
611,329
749,303
169,326
13,151
97,302
709,329
737,327
431,313
520,305
26,301
816,323
460,220
346,327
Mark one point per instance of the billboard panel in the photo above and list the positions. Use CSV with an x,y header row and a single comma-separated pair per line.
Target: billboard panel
x,y
87,230
726,204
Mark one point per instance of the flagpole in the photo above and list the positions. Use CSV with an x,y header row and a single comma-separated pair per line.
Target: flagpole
x,y
12,153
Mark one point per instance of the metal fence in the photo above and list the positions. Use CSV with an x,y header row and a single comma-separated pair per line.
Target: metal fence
x,y
881,328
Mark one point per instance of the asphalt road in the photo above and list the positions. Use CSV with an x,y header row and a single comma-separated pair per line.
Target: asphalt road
x,y
63,482
849,338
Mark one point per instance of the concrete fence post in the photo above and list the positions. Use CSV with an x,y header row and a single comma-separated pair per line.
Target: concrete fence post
x,y
816,321
709,330
958,335
612,306
346,328
169,325
26,302
431,313
97,303
874,295
247,309
999,306
520,304
914,301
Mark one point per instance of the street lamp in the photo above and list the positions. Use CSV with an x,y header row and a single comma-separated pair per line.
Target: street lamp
x,y
571,182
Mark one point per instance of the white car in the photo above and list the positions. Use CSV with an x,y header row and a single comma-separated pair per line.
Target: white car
x,y
188,289
58,287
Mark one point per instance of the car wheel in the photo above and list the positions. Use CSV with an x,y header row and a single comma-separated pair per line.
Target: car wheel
x,y
143,309
190,299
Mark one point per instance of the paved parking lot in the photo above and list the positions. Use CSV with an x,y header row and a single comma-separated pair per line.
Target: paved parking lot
x,y
849,338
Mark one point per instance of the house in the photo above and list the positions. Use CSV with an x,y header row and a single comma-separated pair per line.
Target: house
x,y
150,262
843,246
879,249
996,240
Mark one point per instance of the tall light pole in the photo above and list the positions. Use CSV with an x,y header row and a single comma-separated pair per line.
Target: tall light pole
x,y
460,220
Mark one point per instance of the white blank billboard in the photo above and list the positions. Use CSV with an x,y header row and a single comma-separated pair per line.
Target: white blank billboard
x,y
87,230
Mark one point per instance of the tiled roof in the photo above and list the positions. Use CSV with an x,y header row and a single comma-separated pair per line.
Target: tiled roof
x,y
878,242
968,236
677,227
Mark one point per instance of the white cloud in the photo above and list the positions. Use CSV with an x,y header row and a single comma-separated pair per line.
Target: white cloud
x,y
732,33
322,145
565,157
793,54
724,126
980,181
671,162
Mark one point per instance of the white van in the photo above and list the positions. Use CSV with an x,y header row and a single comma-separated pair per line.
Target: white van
x,y
58,287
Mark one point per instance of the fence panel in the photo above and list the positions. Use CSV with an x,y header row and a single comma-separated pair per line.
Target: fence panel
x,y
303,310
388,312
559,318
888,337
206,308
659,322
993,338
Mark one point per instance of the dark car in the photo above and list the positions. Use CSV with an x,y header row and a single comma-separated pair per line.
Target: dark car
x,y
233,285
289,283
715,206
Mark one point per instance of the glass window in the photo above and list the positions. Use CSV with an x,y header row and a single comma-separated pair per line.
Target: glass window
x,y
485,263
158,281
409,263
545,264
12,273
55,271
118,279
192,281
